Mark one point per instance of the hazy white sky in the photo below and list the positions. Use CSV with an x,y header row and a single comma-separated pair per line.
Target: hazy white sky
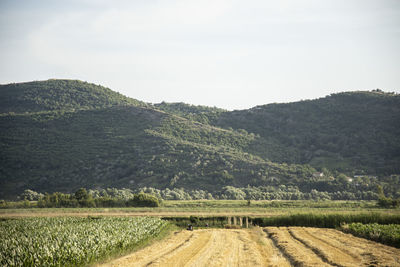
x,y
229,54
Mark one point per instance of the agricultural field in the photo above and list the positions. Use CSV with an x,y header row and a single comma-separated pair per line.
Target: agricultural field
x,y
71,241
330,247
271,246
387,234
281,233
172,208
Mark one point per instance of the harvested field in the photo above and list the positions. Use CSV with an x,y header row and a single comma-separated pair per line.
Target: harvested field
x,y
275,246
328,247
208,247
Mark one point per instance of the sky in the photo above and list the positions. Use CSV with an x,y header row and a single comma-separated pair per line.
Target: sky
x,y
229,54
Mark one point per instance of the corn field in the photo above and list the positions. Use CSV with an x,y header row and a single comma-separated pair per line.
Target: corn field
x,y
69,241
387,234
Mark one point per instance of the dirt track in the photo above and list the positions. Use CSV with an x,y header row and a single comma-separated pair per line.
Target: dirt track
x,y
294,246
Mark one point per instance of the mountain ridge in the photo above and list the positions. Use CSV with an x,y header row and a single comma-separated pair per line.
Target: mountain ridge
x,y
60,94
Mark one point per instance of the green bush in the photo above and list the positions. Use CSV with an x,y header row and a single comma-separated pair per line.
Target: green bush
x,y
143,200
387,202
211,221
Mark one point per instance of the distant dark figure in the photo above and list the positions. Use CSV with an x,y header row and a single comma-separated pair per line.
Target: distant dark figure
x,y
206,224
190,227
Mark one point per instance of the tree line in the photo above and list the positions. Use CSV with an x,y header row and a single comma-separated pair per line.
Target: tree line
x,y
82,198
153,197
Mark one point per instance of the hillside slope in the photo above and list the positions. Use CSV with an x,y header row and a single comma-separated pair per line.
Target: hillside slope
x,y
60,135
122,145
353,132
201,114
59,95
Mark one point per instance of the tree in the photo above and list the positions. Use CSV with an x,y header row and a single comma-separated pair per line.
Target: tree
x,y
342,179
81,194
31,195
379,191
83,198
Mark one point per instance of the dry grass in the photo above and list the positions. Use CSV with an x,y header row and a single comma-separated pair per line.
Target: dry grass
x,y
208,247
277,246
328,247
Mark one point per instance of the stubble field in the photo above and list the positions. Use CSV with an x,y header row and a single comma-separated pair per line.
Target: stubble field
x,y
270,246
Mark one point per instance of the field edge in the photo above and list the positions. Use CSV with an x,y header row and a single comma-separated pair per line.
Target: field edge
x,y
167,230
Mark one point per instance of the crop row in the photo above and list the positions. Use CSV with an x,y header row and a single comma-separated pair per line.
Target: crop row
x,y
387,234
70,241
329,220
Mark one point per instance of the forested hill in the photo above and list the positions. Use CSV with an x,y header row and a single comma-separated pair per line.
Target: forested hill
x,y
60,135
96,142
352,131
201,114
58,95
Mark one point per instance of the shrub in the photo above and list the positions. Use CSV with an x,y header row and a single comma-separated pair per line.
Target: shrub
x,y
143,200
387,202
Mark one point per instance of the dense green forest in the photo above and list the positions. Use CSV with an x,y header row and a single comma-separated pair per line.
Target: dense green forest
x,y
352,132
61,135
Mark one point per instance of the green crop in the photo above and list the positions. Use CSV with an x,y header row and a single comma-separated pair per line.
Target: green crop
x,y
387,234
70,241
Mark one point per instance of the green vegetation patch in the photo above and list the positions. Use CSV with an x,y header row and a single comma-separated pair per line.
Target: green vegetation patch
x,y
198,221
321,220
326,220
386,234
70,241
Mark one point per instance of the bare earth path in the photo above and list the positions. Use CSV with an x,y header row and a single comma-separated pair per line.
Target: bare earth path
x,y
272,246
